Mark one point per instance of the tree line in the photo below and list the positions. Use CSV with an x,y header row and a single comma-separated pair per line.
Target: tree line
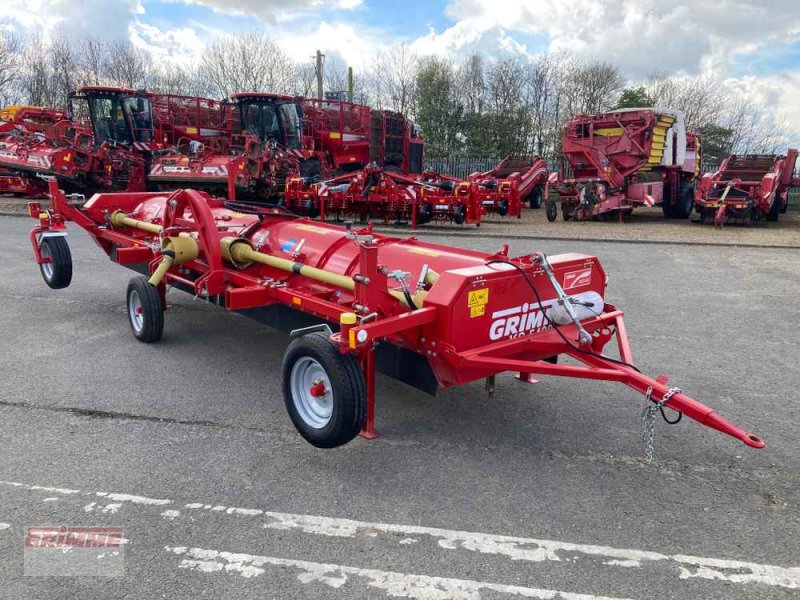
x,y
478,106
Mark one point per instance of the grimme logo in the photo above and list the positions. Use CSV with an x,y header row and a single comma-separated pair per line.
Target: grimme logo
x,y
575,279
518,321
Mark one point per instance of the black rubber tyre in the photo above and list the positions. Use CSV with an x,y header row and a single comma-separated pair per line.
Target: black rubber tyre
x,y
423,214
681,209
535,197
551,210
785,208
311,209
502,208
145,313
339,415
774,210
459,214
58,273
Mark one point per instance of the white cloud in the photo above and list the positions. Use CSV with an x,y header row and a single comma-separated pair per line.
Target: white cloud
x,y
272,9
181,45
99,18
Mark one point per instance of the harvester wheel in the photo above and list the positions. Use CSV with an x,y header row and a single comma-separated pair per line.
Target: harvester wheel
x,y
682,207
535,197
459,214
502,208
145,313
551,210
58,272
424,213
774,210
324,391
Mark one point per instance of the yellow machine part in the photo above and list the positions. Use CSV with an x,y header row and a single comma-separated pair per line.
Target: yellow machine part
x,y
658,142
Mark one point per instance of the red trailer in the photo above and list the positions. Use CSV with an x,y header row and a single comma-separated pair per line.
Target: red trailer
x,y
619,160
747,188
512,182
355,303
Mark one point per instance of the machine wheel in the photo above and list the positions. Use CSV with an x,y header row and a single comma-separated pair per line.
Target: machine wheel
x,y
311,210
145,313
682,208
774,210
502,208
551,210
459,214
423,213
535,197
324,391
57,273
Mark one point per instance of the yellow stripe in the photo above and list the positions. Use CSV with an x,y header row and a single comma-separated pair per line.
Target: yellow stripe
x,y
609,131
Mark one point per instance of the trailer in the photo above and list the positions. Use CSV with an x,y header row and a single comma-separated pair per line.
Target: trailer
x,y
747,188
512,183
624,159
355,303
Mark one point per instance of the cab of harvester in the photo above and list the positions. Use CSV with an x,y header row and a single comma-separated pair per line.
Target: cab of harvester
x,y
269,117
115,115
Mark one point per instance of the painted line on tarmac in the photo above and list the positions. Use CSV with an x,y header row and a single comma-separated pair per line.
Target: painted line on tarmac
x,y
405,585
512,547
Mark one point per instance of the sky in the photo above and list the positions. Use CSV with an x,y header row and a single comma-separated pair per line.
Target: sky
x,y
751,45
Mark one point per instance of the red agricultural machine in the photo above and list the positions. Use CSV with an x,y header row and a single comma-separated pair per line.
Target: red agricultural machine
x,y
510,183
624,159
385,194
747,188
109,139
355,302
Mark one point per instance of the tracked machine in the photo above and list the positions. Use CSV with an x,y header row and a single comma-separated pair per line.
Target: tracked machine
x,y
747,188
628,158
357,303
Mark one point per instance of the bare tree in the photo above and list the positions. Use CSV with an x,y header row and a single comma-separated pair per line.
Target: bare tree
x,y
247,62
395,76
591,87
472,83
35,80
63,62
701,99
11,55
125,65
92,52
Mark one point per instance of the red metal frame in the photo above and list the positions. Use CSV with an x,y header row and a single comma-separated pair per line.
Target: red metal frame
x,y
747,188
478,317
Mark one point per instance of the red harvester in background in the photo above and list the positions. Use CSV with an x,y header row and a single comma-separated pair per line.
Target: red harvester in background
x,y
510,183
109,139
747,188
627,158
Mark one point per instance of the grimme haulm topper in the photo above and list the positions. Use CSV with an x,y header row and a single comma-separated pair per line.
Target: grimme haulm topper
x,y
356,302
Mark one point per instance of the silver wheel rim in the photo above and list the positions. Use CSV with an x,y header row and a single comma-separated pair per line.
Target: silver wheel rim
x,y
47,268
135,311
307,375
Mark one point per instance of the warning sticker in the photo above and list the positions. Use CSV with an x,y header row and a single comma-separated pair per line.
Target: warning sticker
x,y
478,297
314,229
477,301
425,251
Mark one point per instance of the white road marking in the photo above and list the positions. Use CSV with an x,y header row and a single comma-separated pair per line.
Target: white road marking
x,y
398,585
169,515
5,526
515,548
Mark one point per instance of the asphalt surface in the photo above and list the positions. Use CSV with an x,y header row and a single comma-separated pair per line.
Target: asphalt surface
x,y
540,491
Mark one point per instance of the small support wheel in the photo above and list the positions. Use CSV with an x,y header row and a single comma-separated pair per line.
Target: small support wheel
x,y
324,391
551,210
460,214
535,197
58,272
145,313
502,208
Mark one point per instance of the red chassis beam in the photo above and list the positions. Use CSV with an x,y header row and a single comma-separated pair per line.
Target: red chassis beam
x,y
451,344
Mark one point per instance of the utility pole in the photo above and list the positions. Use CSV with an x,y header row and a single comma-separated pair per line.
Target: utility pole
x,y
350,84
319,63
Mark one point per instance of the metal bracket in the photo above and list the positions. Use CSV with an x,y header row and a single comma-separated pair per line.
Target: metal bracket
x,y
323,327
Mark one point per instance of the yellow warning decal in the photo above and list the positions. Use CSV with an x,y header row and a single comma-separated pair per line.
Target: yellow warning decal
x,y
191,130
477,301
609,131
425,251
477,311
335,135
297,301
314,229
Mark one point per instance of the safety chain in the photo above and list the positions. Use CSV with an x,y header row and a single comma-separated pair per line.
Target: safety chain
x,y
649,415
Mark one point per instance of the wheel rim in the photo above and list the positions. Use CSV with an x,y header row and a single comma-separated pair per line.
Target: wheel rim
x,y
311,392
135,311
47,268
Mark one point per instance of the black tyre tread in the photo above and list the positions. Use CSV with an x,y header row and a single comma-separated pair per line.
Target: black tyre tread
x,y
774,211
61,258
551,210
343,370
535,197
153,312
